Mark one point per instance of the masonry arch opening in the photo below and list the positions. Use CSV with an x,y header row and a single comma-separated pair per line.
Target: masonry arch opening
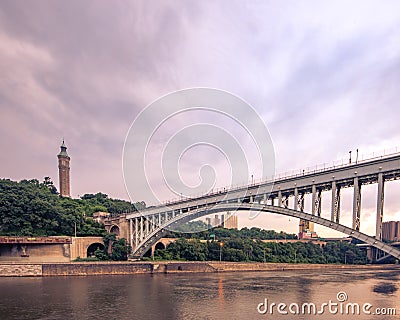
x,y
93,247
115,230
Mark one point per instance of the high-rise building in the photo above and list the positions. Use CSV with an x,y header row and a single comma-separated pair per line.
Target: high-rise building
x,y
231,221
63,171
391,231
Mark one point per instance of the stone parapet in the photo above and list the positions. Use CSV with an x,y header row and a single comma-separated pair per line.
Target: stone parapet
x,y
21,270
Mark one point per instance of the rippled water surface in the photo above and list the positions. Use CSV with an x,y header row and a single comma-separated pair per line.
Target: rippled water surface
x,y
197,296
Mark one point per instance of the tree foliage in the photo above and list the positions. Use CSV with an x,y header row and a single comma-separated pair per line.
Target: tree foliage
x,y
103,203
246,247
190,230
114,249
31,208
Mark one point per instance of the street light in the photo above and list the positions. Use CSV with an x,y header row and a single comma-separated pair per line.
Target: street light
x,y
221,244
295,255
347,253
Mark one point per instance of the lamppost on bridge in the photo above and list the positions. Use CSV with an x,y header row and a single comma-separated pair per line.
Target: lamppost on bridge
x,y
350,156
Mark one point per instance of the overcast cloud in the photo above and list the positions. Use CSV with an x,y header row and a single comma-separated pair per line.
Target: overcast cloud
x,y
325,77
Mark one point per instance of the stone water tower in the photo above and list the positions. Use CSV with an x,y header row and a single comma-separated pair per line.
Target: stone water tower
x,y
63,171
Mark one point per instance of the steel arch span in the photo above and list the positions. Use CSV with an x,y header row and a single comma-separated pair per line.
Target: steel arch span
x,y
159,232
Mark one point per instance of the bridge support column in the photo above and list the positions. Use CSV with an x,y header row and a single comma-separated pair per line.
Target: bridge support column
x,y
285,202
379,209
357,205
141,229
313,199
316,201
130,233
300,202
296,199
279,198
335,211
319,197
136,232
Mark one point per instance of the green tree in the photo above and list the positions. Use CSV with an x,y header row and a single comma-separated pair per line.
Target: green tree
x,y
30,208
101,255
120,250
50,185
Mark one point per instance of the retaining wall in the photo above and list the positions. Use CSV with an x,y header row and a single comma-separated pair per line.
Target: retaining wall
x,y
119,268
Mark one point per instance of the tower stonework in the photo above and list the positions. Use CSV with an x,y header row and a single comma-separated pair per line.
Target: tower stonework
x,y
63,171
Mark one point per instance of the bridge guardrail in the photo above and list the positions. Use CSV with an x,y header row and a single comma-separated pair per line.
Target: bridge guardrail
x,y
290,175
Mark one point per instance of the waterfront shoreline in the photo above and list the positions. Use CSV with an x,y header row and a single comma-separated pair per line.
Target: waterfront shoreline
x,y
165,267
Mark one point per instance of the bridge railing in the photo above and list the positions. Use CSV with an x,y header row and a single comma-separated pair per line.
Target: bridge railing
x,y
319,168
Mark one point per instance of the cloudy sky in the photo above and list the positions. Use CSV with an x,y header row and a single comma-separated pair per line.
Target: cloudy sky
x,y
324,77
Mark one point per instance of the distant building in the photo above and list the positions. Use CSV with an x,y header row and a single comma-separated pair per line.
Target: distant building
x,y
231,221
100,216
306,230
216,221
391,231
63,171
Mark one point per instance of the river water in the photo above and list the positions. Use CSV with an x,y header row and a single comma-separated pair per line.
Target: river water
x,y
203,296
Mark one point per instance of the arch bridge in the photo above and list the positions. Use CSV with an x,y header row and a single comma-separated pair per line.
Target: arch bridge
x,y
149,225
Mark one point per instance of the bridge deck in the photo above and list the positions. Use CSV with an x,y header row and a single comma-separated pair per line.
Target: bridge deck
x,y
148,225
366,171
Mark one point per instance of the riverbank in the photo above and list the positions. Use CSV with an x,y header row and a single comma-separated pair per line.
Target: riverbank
x,y
126,268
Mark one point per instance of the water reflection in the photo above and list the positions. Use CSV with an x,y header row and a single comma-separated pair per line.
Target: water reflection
x,y
191,296
221,294
385,288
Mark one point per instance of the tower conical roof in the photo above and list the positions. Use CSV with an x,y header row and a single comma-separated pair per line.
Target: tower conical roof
x,y
63,151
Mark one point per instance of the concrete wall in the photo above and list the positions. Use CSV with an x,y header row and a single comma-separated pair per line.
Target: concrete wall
x,y
47,252
164,241
80,245
31,253
95,268
20,270
114,268
176,267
